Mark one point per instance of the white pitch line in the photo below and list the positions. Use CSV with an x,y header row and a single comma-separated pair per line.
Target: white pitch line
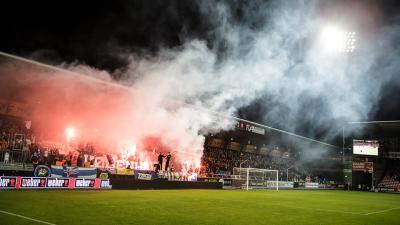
x,y
25,217
381,211
337,211
321,210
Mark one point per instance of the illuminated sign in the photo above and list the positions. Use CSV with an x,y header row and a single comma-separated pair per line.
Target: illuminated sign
x,y
250,128
255,129
363,147
363,166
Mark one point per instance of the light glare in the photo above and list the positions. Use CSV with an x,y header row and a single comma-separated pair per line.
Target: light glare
x,y
70,133
335,40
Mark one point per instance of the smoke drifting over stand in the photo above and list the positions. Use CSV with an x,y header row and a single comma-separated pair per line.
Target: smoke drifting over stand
x,y
272,53
268,54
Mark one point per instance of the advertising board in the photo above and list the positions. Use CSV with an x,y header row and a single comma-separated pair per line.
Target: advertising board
x,y
52,183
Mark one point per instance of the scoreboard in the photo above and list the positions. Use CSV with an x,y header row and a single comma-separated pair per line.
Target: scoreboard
x,y
365,147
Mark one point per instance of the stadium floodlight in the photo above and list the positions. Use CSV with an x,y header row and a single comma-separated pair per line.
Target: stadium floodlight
x,y
334,40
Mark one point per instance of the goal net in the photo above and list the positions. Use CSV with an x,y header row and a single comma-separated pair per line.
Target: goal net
x,y
254,178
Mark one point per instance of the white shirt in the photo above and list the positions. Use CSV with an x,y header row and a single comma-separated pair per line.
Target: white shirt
x,y
6,156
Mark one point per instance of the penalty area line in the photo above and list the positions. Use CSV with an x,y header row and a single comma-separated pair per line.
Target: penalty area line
x,y
381,211
25,217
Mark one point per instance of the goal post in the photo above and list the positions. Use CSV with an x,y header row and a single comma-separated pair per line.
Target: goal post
x,y
255,178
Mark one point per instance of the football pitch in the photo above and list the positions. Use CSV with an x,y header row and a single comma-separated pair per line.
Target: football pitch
x,y
198,207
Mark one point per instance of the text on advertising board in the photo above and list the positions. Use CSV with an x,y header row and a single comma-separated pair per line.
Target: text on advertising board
x,y
54,182
84,183
33,182
8,182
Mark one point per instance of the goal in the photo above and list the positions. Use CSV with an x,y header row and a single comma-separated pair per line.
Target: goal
x,y
254,178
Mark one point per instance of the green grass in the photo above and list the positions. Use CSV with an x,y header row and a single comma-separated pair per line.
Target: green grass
x,y
200,207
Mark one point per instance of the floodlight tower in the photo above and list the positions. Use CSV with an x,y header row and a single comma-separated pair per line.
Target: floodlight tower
x,y
336,40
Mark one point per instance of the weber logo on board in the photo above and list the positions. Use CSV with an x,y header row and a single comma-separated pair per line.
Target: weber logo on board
x,y
84,183
33,182
57,183
52,183
7,182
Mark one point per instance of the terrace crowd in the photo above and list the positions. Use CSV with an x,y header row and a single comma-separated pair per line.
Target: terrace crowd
x,y
222,161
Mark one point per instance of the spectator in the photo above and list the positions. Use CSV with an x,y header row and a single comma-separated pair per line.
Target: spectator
x,y
6,157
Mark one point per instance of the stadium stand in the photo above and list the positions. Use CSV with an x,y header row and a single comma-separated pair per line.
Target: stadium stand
x,y
222,152
221,161
391,179
21,149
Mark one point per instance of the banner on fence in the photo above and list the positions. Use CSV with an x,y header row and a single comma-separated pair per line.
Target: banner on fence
x,y
144,174
42,171
171,176
281,184
311,185
125,172
77,172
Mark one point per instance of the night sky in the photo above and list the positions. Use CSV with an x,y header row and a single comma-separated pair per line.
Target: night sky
x,y
100,33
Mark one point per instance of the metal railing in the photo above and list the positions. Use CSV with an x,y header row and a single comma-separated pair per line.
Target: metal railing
x,y
14,156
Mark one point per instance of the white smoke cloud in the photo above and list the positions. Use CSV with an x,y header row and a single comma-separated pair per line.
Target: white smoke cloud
x,y
281,59
273,53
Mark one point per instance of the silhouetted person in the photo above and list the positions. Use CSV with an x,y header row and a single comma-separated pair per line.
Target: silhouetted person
x,y
157,167
35,160
167,159
160,159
